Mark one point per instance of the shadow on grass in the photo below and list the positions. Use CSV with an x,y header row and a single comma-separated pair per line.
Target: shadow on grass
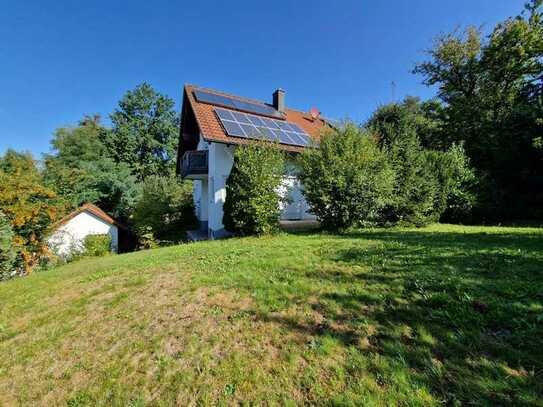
x,y
461,312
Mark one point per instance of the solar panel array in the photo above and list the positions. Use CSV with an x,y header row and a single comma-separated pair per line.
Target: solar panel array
x,y
211,98
245,125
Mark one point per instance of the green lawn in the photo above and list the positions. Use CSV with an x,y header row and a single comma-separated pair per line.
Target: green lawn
x,y
445,314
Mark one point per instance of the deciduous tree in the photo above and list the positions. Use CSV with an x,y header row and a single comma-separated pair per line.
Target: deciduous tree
x,y
30,207
492,90
80,170
145,132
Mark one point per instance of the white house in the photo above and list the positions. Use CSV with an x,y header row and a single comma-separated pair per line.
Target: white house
x,y
69,235
214,123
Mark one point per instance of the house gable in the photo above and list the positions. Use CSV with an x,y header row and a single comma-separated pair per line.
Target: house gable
x,y
69,235
94,210
189,130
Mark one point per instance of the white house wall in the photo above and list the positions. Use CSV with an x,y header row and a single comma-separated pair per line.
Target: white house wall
x,y
295,207
220,159
69,238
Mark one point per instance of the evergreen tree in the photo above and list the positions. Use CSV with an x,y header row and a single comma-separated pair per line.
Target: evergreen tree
x,y
396,127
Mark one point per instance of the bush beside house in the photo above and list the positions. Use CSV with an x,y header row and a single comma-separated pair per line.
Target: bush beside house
x,y
347,181
97,245
362,176
252,204
165,210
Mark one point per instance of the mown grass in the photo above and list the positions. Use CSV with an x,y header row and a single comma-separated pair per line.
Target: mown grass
x,y
445,314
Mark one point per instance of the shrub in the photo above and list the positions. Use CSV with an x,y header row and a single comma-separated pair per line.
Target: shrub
x,y
455,199
252,190
430,185
7,253
97,245
347,181
415,186
146,239
165,208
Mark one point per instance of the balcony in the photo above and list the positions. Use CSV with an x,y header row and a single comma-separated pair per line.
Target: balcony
x,y
194,165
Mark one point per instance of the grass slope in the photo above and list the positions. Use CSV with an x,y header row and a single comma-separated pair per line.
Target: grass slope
x,y
376,317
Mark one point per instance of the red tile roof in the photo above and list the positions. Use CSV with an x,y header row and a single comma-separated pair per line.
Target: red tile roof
x,y
212,130
96,211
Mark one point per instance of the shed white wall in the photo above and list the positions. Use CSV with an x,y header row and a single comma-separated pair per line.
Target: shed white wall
x,y
69,238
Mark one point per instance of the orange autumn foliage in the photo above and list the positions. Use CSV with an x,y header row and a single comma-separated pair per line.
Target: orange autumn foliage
x,y
31,207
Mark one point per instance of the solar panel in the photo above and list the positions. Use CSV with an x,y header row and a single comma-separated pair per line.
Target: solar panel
x,y
233,129
249,126
225,101
336,124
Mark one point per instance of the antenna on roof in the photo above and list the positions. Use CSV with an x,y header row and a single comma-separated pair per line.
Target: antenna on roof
x,y
393,88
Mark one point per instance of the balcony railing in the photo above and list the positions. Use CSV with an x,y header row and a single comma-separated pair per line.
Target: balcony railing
x,y
194,164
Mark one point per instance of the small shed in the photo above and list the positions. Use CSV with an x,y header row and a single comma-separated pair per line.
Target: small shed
x,y
70,232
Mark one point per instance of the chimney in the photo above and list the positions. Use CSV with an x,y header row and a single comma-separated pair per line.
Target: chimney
x,y
279,100
314,112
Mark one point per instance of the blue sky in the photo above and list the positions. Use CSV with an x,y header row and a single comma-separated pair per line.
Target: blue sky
x,y
62,59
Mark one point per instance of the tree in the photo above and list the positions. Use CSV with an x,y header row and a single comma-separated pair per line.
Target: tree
x,y
83,143
7,251
424,119
145,132
165,208
116,187
252,190
80,170
492,94
347,180
397,127
30,207
431,178
73,148
14,162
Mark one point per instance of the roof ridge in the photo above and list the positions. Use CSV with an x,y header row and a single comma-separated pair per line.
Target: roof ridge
x,y
297,110
93,209
221,93
218,92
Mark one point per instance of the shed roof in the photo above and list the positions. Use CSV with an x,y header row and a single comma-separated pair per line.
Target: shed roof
x,y
94,210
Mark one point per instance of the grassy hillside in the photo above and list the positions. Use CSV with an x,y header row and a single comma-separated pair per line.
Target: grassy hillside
x,y
442,314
